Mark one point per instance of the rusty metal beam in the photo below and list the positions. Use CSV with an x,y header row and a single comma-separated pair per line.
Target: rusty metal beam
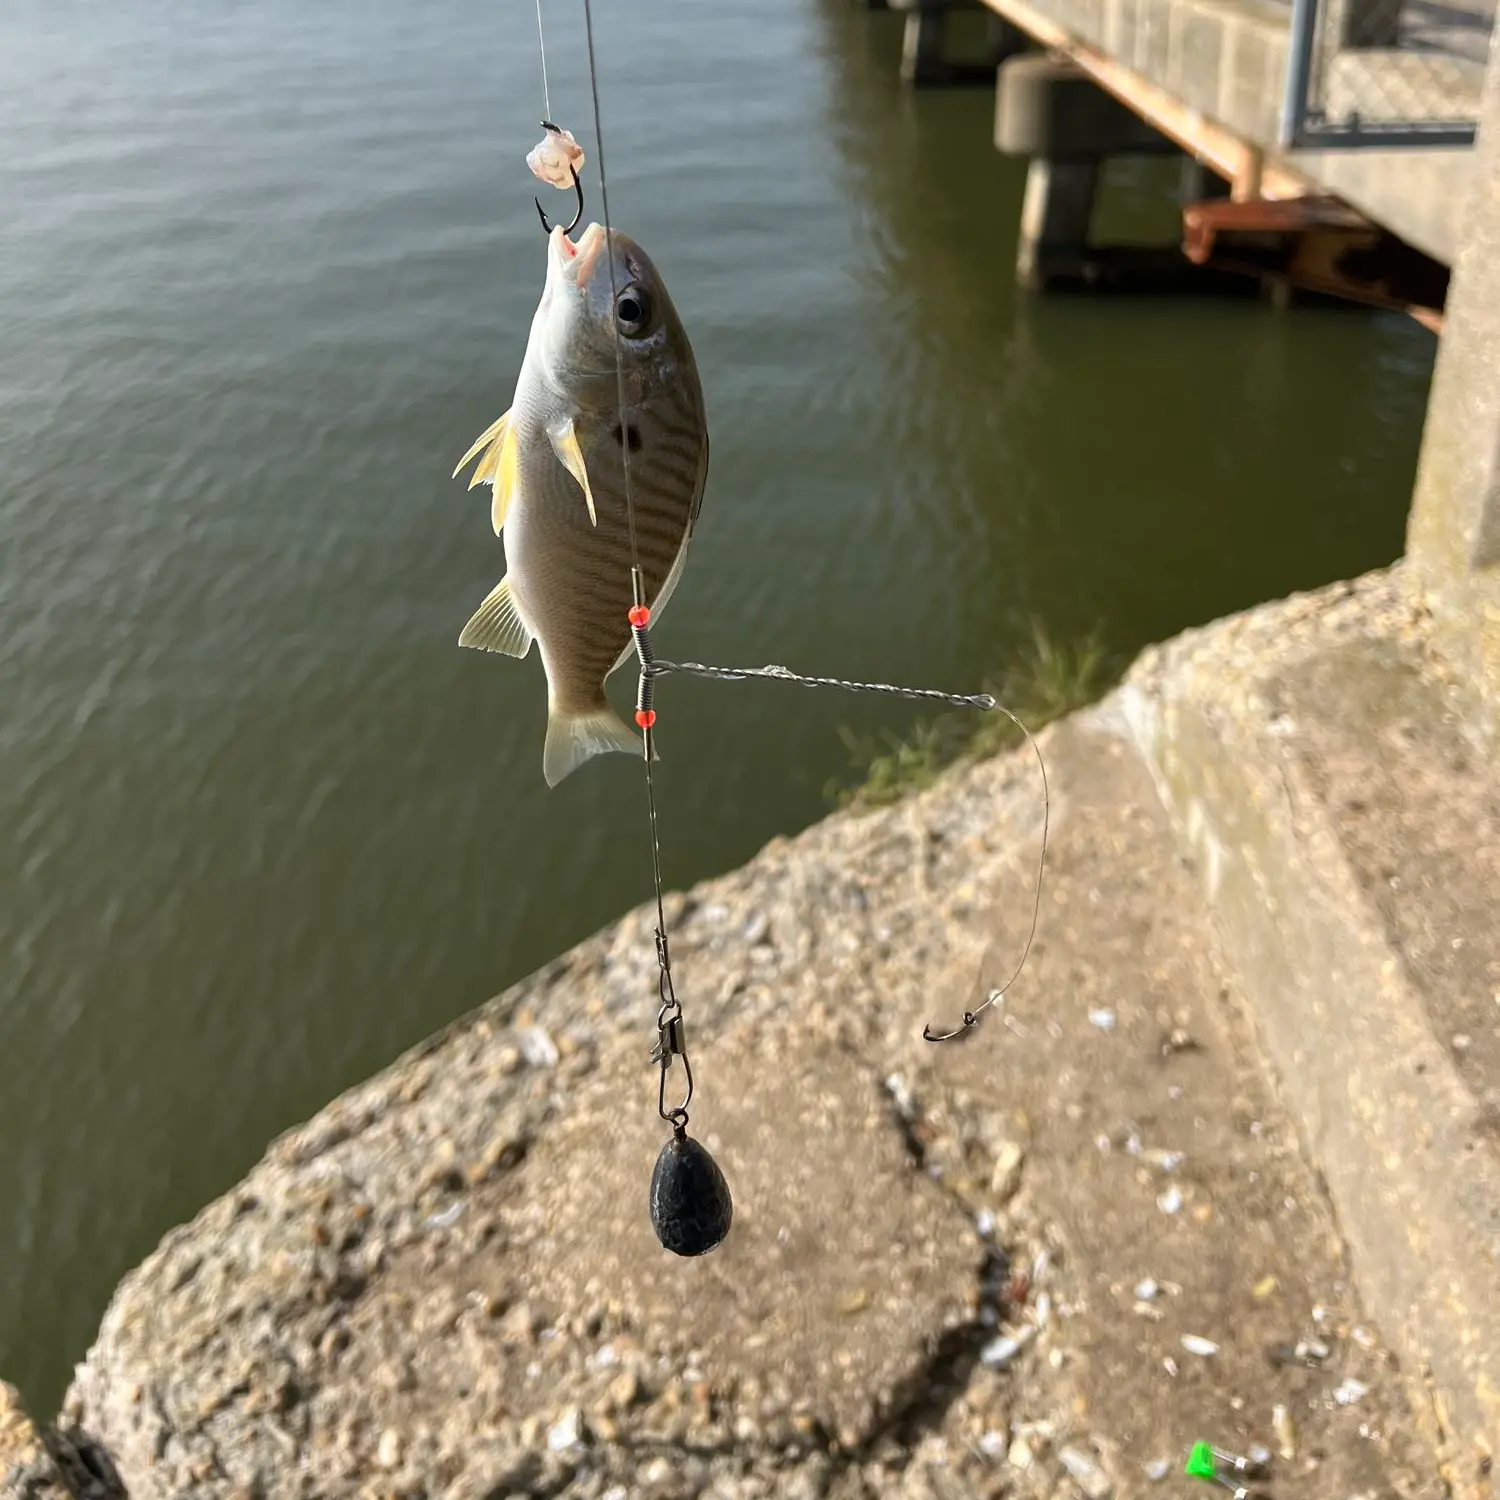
x,y
1320,244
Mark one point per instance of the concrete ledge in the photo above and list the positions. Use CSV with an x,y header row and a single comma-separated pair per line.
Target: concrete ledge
x,y
1419,194
45,1463
1038,1263
1223,57
1343,833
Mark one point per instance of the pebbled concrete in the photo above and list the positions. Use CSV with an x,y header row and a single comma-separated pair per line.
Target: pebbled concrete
x,y
1314,758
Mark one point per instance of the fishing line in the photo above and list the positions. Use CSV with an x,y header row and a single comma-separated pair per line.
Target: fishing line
x,y
644,714
691,1206
636,586
541,42
669,1025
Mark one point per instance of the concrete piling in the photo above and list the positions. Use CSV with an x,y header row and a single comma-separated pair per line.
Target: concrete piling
x,y
925,60
922,59
1049,111
1055,217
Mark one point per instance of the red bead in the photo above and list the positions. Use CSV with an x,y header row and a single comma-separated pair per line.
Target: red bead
x,y
645,717
639,616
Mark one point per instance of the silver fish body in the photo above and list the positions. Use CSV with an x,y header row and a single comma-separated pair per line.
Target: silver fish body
x,y
557,463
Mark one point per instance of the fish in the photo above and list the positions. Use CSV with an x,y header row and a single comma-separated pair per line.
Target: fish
x,y
556,464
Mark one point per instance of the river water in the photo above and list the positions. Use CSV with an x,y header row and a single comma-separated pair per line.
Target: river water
x,y
266,269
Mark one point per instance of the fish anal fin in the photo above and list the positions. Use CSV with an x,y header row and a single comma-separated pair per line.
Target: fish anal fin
x,y
564,441
497,625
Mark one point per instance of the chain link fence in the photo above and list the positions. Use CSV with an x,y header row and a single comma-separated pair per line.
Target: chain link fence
x,y
1385,72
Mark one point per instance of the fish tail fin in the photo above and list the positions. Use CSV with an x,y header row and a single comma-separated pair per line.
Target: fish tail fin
x,y
573,738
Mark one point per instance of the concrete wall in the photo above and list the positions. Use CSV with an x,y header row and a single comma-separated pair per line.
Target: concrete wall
x,y
1453,538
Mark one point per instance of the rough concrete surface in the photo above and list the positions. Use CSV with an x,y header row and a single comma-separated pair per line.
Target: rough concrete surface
x,y
1038,1262
1453,536
1316,762
50,1464
27,1468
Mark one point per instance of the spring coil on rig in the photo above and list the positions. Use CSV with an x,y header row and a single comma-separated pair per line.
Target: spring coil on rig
x,y
640,629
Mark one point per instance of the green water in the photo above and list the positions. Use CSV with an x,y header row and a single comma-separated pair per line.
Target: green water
x,y
265,271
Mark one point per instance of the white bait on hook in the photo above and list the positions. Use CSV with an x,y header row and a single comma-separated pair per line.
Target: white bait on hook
x,y
556,157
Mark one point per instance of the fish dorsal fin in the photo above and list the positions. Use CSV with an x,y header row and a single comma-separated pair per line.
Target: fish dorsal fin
x,y
497,624
565,445
497,467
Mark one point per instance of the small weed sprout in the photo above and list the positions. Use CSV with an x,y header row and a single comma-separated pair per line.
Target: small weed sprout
x,y
1050,680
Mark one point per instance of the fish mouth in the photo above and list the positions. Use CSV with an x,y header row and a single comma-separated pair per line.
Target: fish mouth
x,y
579,260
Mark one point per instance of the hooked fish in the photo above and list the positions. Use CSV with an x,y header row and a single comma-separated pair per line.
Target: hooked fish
x,y
556,463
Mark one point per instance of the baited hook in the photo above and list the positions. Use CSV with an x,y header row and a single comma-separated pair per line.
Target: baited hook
x,y
577,188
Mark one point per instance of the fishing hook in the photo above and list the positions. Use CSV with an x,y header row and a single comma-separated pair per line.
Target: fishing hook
x,y
971,1018
577,188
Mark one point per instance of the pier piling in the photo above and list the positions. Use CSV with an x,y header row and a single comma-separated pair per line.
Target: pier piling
x,y
925,61
1049,111
1055,217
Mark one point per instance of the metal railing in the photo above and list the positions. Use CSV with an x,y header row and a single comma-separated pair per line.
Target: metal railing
x,y
1385,72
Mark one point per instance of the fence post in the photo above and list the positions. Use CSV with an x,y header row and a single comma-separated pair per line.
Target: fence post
x,y
1299,61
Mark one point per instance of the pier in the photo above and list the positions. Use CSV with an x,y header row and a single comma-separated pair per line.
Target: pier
x,y
1327,145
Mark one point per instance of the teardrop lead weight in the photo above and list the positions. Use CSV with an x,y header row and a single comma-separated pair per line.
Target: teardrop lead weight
x,y
690,1204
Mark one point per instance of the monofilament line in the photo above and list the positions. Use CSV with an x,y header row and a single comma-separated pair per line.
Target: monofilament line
x,y
637,583
541,41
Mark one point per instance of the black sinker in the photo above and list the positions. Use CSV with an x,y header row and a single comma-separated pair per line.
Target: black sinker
x,y
690,1204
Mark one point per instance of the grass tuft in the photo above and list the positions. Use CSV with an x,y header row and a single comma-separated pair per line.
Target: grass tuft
x,y
1051,679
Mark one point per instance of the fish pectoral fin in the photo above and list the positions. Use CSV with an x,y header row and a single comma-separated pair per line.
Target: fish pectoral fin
x,y
497,625
497,467
574,738
564,441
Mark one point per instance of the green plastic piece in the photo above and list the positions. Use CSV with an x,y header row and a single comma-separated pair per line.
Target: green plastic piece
x,y
1200,1464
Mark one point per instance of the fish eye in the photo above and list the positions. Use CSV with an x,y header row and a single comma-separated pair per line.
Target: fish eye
x,y
633,311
